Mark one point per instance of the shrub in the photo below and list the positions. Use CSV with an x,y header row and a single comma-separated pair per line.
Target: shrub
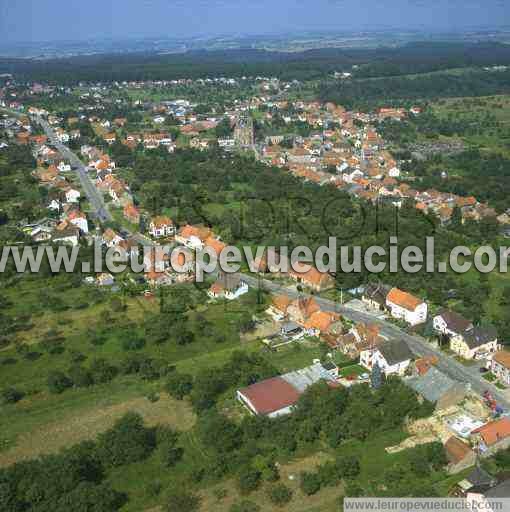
x,y
182,501
133,343
245,506
80,376
179,385
102,371
9,360
12,395
249,480
128,441
58,382
32,356
279,495
310,483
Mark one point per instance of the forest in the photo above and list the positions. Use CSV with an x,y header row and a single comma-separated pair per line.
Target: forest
x,y
312,64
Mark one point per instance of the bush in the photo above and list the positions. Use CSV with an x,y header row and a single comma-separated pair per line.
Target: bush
x,y
279,495
133,343
310,483
181,501
153,489
12,395
102,371
32,356
128,441
244,506
249,480
348,466
179,385
9,360
81,377
58,382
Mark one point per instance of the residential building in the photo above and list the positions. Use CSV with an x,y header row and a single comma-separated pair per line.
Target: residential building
x,y
193,237
493,436
392,356
228,286
278,307
375,295
459,454
312,278
161,226
403,305
72,195
277,396
500,366
300,310
438,388
475,343
450,324
131,213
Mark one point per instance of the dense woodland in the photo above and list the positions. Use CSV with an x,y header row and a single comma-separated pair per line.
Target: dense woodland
x,y
366,94
311,64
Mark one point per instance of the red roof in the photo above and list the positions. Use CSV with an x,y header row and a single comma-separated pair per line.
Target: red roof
x,y
494,431
270,395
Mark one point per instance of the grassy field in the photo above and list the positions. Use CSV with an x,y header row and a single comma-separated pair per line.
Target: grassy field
x,y
491,114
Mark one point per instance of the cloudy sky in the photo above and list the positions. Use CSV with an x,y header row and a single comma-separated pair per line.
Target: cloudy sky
x,y
51,20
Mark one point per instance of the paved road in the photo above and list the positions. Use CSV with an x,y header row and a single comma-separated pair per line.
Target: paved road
x,y
93,195
418,345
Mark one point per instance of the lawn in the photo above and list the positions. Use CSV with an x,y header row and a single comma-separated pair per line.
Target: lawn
x,y
353,370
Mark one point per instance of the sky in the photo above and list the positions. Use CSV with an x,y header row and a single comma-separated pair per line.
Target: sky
x,y
58,20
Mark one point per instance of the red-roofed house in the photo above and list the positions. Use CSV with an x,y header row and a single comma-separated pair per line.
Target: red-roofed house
x,y
271,397
131,213
406,306
493,436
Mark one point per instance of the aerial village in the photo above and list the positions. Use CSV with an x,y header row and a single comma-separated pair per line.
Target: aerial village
x,y
461,368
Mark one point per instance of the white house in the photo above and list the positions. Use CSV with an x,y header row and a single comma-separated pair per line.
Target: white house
x,y
79,219
54,205
64,167
111,238
161,227
394,172
392,356
228,286
72,195
403,305
69,236
193,237
450,324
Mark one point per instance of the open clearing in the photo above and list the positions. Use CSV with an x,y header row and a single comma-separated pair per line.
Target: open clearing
x,y
324,501
54,436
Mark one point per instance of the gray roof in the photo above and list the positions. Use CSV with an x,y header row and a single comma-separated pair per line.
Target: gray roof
x,y
304,378
395,351
229,281
455,322
478,336
433,385
290,326
377,292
